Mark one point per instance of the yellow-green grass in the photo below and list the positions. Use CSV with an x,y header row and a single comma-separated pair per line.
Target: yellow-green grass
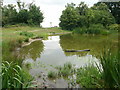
x,y
12,33
11,37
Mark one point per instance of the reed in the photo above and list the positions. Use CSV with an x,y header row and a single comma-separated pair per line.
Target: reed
x,y
110,63
13,76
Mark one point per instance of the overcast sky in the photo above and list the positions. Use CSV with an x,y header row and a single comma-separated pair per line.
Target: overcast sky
x,y
52,9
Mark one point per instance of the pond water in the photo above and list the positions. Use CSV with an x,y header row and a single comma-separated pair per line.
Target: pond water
x,y
44,55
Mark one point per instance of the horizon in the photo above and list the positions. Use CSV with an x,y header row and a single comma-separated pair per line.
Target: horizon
x,y
51,9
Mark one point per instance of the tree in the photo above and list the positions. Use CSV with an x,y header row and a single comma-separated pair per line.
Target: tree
x,y
69,17
35,15
31,15
9,14
22,16
82,8
114,8
99,14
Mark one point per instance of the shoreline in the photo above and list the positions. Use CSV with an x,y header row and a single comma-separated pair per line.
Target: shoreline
x,y
30,41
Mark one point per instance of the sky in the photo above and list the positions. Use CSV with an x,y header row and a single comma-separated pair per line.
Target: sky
x,y
51,9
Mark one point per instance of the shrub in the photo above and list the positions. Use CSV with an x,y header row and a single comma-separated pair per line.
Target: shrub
x,y
27,34
113,27
26,40
79,30
93,29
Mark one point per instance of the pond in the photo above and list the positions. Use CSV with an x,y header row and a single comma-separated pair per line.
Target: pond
x,y
43,56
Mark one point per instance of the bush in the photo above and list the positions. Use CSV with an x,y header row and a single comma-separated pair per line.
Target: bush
x,y
26,40
52,75
27,34
93,29
80,30
113,27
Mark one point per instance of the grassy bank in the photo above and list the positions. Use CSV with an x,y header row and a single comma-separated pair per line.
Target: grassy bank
x,y
97,29
14,37
106,75
13,76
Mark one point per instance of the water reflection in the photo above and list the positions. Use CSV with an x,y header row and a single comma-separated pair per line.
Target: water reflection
x,y
46,54
32,51
96,43
53,54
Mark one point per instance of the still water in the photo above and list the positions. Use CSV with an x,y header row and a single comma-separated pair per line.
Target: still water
x,y
44,55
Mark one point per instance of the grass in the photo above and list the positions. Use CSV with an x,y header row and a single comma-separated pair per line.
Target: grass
x,y
93,29
88,77
13,76
52,75
13,37
27,34
66,70
110,69
106,77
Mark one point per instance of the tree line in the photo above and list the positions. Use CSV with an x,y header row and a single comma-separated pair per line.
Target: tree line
x,y
82,16
28,14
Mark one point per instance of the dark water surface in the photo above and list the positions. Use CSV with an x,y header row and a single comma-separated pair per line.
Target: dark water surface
x,y
44,55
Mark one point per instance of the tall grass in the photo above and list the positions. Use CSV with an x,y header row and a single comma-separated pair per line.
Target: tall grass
x,y
13,76
93,29
89,77
105,75
66,70
52,75
110,63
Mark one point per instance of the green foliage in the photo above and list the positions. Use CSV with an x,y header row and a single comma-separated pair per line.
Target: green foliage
x,y
69,17
82,16
82,8
26,40
13,76
35,15
114,8
27,34
52,75
110,69
93,29
89,77
113,27
23,16
8,15
30,16
66,70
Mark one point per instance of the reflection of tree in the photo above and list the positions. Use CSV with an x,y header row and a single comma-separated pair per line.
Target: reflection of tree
x,y
32,51
79,42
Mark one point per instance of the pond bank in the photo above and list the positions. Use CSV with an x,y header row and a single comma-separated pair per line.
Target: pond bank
x,y
30,41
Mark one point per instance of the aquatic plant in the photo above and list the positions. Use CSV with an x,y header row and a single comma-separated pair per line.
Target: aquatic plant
x,y
52,75
13,76
88,77
66,70
110,69
105,75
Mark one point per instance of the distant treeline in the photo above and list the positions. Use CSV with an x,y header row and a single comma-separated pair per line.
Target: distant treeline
x,y
28,14
81,16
